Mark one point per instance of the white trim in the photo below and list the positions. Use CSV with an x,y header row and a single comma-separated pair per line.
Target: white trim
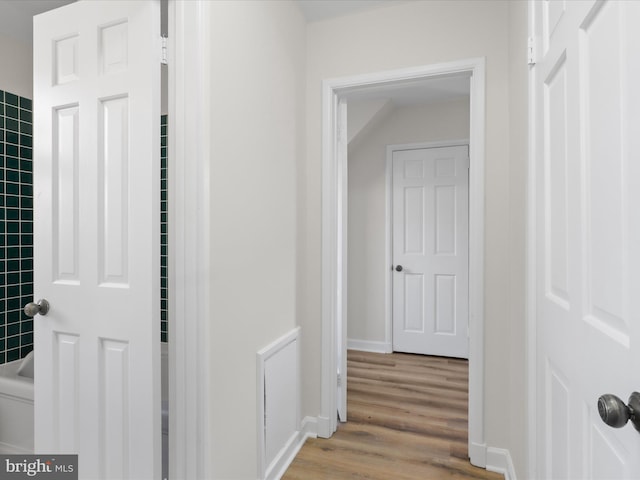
x,y
189,153
532,432
279,466
388,253
308,430
309,427
289,450
476,262
369,346
420,145
388,224
477,452
499,461
343,230
327,423
332,89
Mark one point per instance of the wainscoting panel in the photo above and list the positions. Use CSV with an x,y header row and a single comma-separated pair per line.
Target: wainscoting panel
x,y
279,433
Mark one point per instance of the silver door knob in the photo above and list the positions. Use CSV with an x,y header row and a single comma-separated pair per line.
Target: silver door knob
x,y
616,414
398,268
32,309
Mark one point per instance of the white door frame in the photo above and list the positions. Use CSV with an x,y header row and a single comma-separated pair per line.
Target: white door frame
x,y
388,225
531,235
189,274
334,260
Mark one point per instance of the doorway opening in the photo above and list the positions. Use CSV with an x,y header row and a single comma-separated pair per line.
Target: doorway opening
x,y
336,93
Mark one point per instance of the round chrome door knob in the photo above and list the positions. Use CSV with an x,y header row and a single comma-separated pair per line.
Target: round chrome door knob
x,y
32,309
615,413
398,268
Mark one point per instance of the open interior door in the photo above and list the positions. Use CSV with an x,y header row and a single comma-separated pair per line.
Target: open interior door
x,y
587,176
96,236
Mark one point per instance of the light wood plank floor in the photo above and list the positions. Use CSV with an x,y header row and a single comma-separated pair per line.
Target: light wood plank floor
x,y
407,420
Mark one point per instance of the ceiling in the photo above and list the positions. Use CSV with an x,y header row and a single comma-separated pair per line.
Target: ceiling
x,y
16,16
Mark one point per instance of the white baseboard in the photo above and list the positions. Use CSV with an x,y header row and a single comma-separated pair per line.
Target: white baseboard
x,y
499,461
478,454
369,346
323,429
279,466
309,427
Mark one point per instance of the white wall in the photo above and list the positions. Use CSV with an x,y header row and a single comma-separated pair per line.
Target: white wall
x,y
16,74
405,35
364,115
257,105
367,164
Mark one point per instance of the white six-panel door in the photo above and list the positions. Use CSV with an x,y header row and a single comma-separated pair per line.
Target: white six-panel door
x,y
430,243
587,290
96,189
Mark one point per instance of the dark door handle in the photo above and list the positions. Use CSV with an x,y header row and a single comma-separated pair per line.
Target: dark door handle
x,y
32,309
398,268
616,414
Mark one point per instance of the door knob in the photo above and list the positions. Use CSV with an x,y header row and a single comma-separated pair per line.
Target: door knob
x,y
616,414
32,309
398,268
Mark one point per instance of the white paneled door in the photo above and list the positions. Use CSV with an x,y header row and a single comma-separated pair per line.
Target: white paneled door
x,y
587,244
96,191
431,251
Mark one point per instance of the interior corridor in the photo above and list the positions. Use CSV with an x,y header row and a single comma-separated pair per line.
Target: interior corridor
x,y
407,419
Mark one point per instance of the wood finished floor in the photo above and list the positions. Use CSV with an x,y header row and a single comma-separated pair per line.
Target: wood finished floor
x,y
407,420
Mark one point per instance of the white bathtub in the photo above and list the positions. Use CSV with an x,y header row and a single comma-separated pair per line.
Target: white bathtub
x,y
16,405
164,352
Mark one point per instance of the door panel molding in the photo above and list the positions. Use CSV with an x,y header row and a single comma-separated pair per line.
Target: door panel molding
x,y
334,255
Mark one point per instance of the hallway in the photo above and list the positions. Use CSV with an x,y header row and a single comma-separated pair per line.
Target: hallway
x,y
407,420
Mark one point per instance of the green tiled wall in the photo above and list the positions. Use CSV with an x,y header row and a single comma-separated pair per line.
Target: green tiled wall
x,y
163,229
16,226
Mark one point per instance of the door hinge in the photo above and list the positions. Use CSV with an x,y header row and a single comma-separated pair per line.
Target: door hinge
x,y
163,50
531,51
339,379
